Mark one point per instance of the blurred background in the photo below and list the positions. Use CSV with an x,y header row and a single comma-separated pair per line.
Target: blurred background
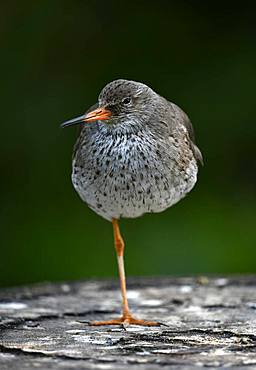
x,y
55,58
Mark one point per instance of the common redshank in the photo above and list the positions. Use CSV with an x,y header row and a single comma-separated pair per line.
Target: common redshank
x,y
135,154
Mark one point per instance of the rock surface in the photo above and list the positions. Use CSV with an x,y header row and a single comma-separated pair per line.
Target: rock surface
x,y
210,323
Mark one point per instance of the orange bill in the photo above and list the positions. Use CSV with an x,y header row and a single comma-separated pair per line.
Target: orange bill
x,y
98,114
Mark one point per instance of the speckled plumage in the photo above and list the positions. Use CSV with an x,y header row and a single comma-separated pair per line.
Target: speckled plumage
x,y
143,159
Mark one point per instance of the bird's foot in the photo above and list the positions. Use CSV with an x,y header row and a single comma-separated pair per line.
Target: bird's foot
x,y
126,321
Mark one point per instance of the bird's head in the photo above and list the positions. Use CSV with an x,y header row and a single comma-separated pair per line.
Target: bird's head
x,y
120,101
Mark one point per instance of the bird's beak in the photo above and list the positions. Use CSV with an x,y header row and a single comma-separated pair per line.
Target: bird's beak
x,y
98,114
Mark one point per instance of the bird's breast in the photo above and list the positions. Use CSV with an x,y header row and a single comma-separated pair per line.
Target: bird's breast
x,y
128,175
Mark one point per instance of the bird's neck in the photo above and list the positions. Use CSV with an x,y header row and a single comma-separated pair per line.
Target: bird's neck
x,y
125,126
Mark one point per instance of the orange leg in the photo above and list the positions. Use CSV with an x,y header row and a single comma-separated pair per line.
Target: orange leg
x,y
126,317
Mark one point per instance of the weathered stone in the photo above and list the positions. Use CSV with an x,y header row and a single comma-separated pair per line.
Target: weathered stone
x,y
211,323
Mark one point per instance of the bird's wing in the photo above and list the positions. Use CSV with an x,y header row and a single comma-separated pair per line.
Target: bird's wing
x,y
183,119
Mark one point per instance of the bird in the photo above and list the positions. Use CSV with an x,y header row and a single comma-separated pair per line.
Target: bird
x,y
135,154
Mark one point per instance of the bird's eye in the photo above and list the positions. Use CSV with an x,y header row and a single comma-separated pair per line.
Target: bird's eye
x,y
126,100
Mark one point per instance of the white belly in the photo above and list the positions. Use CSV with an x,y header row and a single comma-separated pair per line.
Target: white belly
x,y
130,194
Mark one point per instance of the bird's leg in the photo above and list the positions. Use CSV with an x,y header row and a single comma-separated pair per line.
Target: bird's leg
x,y
119,245
126,317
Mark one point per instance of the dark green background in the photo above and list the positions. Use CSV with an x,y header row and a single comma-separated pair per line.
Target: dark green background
x,y
55,58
